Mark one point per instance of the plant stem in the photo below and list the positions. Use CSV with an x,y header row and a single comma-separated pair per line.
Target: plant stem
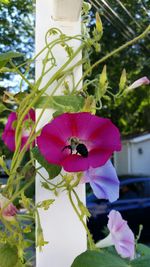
x,y
90,239
116,51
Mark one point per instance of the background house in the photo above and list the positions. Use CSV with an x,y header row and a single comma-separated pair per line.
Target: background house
x,y
134,159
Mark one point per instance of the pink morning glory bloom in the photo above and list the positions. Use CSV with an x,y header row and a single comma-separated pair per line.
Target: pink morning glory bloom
x,y
10,211
104,181
139,82
78,141
8,135
120,236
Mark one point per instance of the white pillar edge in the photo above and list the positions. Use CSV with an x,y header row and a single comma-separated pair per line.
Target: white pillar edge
x,y
61,227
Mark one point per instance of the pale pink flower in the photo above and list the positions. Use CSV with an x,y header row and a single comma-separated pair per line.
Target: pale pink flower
x,y
8,211
120,236
138,83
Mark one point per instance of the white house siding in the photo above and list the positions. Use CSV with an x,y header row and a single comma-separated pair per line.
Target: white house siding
x,y
134,158
121,161
141,162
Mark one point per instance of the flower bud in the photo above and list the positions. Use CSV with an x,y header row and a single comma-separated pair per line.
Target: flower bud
x,y
8,211
138,83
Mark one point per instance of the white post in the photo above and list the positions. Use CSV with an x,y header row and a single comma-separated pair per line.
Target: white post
x,y
61,227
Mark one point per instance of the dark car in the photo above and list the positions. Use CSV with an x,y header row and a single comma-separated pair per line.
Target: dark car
x,y
133,204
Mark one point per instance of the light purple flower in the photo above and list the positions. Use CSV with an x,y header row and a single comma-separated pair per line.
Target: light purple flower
x,y
120,236
139,82
104,181
9,211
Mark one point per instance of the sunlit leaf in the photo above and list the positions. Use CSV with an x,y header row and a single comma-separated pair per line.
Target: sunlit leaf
x,y
8,256
5,1
5,57
62,103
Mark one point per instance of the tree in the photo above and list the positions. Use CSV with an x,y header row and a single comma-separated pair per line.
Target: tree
x,y
16,34
122,21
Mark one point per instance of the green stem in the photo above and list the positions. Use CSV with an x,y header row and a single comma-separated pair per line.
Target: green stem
x,y
32,103
16,194
55,186
116,51
90,239
19,72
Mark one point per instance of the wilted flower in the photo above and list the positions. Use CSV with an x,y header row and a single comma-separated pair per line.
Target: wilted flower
x,y
104,181
8,135
138,83
120,236
9,211
78,141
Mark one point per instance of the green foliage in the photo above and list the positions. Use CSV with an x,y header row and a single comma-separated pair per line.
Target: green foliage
x,y
20,264
130,113
5,57
5,1
62,103
141,262
53,170
45,204
110,259
17,22
8,256
123,80
143,250
98,259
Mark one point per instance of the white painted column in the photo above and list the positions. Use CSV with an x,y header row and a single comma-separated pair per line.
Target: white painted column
x,y
61,227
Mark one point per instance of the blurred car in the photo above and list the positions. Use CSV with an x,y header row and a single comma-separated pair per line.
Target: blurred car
x,y
133,204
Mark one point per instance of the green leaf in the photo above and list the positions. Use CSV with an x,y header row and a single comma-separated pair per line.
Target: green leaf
x,y
9,55
53,170
2,65
62,103
2,107
98,259
45,204
143,250
45,185
141,262
8,256
5,1
123,80
4,69
19,264
99,25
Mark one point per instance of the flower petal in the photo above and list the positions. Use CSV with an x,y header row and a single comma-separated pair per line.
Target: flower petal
x,y
75,163
122,235
99,136
9,211
8,135
139,82
104,181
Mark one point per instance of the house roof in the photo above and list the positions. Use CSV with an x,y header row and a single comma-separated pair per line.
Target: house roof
x,y
137,139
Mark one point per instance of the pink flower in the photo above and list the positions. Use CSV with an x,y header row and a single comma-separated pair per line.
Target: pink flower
x,y
120,236
8,135
10,211
139,82
78,141
104,181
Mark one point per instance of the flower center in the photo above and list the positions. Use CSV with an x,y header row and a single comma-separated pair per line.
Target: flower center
x,y
75,145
